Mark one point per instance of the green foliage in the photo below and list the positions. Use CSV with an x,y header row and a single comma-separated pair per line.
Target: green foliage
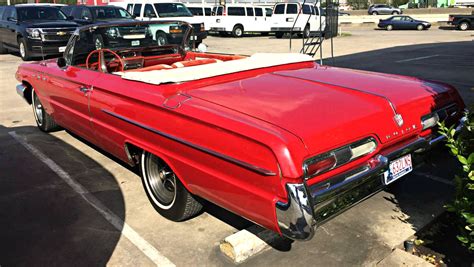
x,y
461,146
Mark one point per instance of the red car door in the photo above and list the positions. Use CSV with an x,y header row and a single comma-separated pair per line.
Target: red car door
x,y
69,91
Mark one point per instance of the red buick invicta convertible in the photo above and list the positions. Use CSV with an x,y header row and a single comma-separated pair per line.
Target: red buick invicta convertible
x,y
275,138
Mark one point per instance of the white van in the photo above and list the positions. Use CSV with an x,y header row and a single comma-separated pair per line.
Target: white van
x,y
239,18
285,14
204,12
166,11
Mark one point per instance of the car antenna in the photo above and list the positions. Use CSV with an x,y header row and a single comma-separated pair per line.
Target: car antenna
x,y
42,55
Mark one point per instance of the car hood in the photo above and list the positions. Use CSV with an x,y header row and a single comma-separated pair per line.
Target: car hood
x,y
48,24
320,104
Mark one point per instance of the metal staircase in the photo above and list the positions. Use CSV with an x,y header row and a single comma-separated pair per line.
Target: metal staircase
x,y
312,42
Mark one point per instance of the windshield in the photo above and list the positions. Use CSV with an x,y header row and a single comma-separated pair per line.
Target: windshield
x,y
145,38
105,13
172,10
40,13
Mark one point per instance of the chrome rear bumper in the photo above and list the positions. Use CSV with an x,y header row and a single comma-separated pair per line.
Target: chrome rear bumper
x,y
310,206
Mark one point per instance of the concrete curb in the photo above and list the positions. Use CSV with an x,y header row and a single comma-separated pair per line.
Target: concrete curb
x,y
247,243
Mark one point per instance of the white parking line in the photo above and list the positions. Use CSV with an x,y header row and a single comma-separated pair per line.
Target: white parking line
x,y
151,252
435,178
416,58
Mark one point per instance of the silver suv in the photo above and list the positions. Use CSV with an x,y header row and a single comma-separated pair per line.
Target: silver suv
x,y
380,9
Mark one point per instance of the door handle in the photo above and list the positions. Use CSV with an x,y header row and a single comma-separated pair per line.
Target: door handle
x,y
84,89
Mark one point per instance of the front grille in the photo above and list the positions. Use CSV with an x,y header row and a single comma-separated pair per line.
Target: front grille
x,y
57,34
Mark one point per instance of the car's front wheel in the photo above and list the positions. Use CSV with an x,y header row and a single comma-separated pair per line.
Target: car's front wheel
x,y
420,27
375,13
389,27
44,121
166,192
464,25
24,53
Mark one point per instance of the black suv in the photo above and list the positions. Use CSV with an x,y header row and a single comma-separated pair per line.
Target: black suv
x,y
97,14
34,30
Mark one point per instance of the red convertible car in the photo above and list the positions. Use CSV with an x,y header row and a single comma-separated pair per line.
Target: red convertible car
x,y
275,138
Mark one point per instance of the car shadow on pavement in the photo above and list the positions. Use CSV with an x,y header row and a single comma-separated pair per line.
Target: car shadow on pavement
x,y
44,221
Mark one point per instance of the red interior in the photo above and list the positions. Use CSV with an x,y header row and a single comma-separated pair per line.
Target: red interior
x,y
178,61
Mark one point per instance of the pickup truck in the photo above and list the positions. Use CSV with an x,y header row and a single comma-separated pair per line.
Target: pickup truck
x,y
462,22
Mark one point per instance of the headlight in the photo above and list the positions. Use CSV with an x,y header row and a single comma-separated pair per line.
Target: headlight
x,y
432,119
175,29
34,33
112,32
337,157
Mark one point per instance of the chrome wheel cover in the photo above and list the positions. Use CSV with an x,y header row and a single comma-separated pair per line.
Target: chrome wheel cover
x,y
160,180
37,109
463,26
22,50
238,32
161,40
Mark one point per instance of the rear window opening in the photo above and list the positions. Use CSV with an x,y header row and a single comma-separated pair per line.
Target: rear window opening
x,y
279,9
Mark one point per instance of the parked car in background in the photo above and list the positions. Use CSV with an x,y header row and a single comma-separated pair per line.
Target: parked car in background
x,y
382,9
274,138
403,23
236,19
462,22
342,13
147,10
309,21
34,30
84,15
204,12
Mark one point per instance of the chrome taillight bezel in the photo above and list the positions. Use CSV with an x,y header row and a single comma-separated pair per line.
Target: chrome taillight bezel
x,y
343,155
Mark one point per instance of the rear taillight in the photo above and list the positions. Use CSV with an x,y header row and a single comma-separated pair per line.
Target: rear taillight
x,y
451,18
338,157
202,27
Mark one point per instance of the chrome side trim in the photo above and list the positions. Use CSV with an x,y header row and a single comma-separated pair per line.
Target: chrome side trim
x,y
216,154
20,90
295,218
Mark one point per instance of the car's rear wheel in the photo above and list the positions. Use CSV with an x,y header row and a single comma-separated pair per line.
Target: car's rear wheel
x,y
279,35
464,25
24,53
166,192
44,121
395,13
420,27
306,32
389,27
375,13
238,31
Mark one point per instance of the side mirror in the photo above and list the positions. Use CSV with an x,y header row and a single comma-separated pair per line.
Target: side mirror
x,y
61,62
12,19
134,16
85,18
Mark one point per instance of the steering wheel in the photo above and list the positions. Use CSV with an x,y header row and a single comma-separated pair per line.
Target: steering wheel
x,y
102,65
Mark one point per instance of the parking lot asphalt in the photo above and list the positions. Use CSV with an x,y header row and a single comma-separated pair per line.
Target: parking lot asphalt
x,y
46,220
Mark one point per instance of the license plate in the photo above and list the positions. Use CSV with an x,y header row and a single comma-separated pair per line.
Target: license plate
x,y
398,168
135,43
62,49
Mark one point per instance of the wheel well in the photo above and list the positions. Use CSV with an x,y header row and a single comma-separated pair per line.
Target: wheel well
x,y
465,20
133,153
237,25
27,92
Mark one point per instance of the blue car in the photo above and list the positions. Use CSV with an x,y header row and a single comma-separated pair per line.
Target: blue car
x,y
403,23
